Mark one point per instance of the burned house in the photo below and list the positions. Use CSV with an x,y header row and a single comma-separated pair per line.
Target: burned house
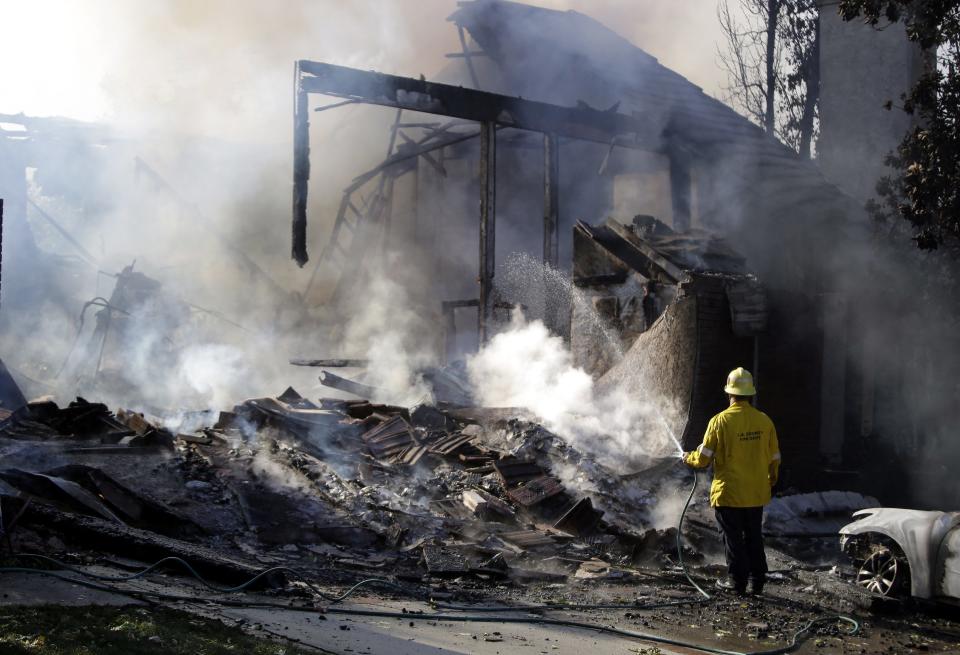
x,y
580,131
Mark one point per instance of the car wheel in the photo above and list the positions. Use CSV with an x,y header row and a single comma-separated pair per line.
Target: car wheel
x,y
884,572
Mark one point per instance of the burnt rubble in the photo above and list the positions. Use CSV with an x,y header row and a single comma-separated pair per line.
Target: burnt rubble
x,y
450,504
442,501
435,492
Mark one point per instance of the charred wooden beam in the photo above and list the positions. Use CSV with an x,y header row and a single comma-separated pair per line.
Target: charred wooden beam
x,y
488,223
551,199
301,170
332,363
551,224
676,273
580,122
328,379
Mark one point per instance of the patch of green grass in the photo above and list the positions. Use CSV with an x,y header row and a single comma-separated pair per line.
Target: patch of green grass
x,y
57,630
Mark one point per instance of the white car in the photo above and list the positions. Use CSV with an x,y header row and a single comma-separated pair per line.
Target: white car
x,y
901,552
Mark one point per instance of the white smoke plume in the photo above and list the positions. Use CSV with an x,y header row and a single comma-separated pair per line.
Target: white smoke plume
x,y
386,328
525,366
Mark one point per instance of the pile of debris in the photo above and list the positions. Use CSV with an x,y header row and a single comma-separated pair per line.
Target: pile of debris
x,y
428,491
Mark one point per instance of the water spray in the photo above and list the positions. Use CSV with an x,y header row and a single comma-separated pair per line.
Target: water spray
x,y
669,432
679,447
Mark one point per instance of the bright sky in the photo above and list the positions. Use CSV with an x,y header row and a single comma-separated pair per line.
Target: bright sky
x,y
218,67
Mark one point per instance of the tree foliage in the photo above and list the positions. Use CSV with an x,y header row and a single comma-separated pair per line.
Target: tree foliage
x,y
772,62
924,184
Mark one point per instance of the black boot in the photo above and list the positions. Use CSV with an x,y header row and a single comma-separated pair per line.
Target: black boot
x,y
756,587
729,584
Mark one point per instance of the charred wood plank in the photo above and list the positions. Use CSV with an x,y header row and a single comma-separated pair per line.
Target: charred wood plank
x,y
676,273
328,379
390,438
332,363
451,445
551,199
488,225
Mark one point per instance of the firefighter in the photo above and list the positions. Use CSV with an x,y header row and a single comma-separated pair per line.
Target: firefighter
x,y
741,443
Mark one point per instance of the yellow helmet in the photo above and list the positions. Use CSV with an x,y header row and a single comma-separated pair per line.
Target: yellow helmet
x,y
740,383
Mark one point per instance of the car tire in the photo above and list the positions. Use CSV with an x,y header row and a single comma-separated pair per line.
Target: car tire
x,y
885,571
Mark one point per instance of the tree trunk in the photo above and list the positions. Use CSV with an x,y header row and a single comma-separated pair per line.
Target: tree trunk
x,y
812,83
773,10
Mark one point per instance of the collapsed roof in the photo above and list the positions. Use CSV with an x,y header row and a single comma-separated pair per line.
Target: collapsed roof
x,y
568,58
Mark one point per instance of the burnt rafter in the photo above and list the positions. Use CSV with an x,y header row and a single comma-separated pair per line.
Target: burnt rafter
x,y
405,93
481,106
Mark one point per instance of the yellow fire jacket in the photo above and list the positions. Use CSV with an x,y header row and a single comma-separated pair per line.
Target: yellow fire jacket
x,y
741,442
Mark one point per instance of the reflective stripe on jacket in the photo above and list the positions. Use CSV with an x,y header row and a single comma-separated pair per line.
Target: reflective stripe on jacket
x,y
741,442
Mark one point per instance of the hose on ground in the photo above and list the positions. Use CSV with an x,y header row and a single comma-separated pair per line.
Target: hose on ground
x,y
193,572
683,514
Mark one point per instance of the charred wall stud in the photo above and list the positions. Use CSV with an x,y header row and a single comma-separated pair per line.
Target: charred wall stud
x,y
301,168
551,220
488,223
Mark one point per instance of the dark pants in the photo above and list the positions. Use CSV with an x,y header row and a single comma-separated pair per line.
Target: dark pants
x,y
743,541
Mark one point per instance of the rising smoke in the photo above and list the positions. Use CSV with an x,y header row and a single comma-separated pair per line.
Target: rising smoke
x,y
525,366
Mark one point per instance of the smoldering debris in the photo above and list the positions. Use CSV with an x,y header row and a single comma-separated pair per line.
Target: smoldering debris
x,y
462,499
435,491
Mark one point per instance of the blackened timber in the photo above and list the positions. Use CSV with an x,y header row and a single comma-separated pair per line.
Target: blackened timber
x,y
488,223
551,214
481,106
620,250
328,379
332,363
301,169
551,199
675,272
